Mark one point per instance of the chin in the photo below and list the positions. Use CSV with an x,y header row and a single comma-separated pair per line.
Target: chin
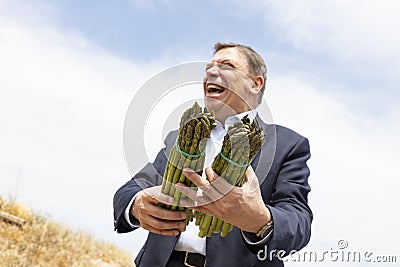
x,y
214,104
220,109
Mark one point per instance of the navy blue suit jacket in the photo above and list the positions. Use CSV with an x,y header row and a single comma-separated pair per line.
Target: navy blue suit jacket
x,y
283,174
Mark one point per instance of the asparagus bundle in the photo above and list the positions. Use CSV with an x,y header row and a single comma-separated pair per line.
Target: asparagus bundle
x,y
188,152
241,143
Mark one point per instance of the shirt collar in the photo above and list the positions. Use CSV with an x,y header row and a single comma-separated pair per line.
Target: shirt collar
x,y
234,118
218,133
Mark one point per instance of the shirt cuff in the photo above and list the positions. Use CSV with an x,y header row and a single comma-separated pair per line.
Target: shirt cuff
x,y
128,216
253,239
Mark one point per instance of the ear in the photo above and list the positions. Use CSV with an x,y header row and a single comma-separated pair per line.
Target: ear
x,y
258,83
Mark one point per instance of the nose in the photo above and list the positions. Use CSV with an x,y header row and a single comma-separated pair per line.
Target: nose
x,y
212,69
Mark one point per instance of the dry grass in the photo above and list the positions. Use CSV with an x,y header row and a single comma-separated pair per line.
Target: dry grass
x,y
42,242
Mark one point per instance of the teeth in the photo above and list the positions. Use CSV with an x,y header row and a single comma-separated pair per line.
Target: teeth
x,y
214,87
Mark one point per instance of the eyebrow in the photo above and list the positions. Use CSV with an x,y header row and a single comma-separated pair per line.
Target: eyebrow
x,y
228,61
225,62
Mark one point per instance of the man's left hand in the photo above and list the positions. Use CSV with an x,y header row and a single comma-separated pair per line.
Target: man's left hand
x,y
240,206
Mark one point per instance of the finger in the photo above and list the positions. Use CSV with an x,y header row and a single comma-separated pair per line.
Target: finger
x,y
164,224
188,192
168,232
251,182
211,175
191,197
166,214
222,186
203,184
157,196
151,207
204,209
187,202
194,177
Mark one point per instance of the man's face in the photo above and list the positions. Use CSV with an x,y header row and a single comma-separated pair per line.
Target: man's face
x,y
227,86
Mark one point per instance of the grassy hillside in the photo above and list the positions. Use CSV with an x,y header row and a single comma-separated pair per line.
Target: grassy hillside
x,y
42,242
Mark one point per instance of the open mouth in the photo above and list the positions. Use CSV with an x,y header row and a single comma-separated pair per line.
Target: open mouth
x,y
214,88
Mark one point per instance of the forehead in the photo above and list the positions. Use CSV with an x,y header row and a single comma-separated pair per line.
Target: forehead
x,y
231,55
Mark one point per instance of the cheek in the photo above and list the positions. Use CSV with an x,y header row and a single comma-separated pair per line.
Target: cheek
x,y
238,93
238,84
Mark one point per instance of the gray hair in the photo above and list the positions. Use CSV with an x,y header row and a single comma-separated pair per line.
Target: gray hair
x,y
255,62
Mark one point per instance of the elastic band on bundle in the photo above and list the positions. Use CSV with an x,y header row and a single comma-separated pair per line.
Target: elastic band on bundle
x,y
234,163
189,155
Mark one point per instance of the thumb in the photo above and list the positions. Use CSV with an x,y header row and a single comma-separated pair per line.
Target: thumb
x,y
210,174
251,182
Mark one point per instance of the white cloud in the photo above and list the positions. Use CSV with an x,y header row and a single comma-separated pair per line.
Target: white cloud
x,y
63,102
350,29
62,106
353,166
352,130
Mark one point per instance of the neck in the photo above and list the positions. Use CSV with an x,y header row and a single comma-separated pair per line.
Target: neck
x,y
222,112
221,116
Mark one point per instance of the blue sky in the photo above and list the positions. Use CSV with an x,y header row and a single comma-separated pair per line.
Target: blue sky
x,y
148,30
144,31
70,69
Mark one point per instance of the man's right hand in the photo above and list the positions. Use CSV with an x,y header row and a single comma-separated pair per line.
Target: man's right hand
x,y
154,218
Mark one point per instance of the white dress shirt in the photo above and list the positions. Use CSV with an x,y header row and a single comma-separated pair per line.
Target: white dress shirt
x,y
189,239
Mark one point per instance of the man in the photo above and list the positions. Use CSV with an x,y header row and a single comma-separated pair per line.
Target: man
x,y
269,212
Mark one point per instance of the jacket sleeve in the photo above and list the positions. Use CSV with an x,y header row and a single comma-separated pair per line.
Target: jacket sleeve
x,y
288,203
150,175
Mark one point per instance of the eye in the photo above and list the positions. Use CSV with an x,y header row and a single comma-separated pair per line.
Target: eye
x,y
221,66
227,66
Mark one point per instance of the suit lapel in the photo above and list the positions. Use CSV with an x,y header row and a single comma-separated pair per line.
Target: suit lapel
x,y
160,248
264,159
